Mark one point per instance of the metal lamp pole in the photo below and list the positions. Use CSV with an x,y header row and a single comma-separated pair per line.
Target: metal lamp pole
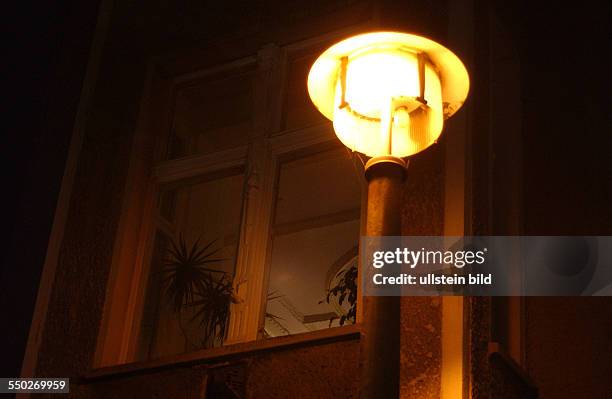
x,y
380,333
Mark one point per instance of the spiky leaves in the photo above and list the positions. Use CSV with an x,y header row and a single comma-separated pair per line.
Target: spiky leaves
x,y
213,307
186,271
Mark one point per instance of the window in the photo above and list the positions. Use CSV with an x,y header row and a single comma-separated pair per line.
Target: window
x,y
314,237
270,209
211,115
200,215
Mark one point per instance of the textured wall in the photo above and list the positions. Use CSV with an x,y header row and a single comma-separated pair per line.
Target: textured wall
x,y
75,308
323,370
326,371
479,336
421,322
568,346
507,383
421,354
179,383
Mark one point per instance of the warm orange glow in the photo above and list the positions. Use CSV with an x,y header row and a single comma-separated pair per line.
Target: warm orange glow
x,y
387,93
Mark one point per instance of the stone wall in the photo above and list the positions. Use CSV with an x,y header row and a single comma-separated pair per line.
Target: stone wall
x,y
322,370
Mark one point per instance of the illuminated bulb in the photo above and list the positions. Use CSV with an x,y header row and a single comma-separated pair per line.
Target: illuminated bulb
x,y
374,78
378,84
387,93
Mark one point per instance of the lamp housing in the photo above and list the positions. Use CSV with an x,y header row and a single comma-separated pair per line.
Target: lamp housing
x,y
388,93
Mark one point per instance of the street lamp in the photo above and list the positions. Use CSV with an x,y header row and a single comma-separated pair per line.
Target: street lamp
x,y
387,94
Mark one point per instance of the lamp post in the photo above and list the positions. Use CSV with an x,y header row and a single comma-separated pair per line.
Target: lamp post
x,y
387,94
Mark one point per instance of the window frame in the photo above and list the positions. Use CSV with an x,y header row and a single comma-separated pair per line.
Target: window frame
x,y
268,146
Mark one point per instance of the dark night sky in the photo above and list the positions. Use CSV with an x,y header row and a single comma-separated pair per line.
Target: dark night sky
x,y
48,47
567,131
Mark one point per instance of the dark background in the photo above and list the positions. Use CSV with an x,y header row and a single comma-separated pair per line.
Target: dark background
x,y
567,135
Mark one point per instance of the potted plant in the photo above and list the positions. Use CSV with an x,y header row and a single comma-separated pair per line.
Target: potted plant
x,y
191,284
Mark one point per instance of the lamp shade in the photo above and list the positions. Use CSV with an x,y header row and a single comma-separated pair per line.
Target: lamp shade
x,y
388,93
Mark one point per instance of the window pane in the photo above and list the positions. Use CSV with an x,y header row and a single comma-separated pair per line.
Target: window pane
x,y
186,305
316,232
211,116
299,111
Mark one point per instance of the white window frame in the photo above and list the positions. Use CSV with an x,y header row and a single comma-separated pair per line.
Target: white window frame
x,y
261,158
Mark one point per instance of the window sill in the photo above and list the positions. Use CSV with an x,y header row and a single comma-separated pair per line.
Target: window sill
x,y
224,353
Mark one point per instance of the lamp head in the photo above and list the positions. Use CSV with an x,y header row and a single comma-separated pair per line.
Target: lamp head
x,y
388,93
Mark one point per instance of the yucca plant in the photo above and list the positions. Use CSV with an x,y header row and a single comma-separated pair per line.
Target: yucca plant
x,y
185,271
212,308
190,282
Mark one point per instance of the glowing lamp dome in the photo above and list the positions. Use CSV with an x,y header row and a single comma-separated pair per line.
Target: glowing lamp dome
x,y
388,93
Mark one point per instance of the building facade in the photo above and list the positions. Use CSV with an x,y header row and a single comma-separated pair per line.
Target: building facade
x,y
195,126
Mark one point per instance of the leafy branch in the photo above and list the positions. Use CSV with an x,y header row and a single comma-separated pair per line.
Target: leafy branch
x,y
345,290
